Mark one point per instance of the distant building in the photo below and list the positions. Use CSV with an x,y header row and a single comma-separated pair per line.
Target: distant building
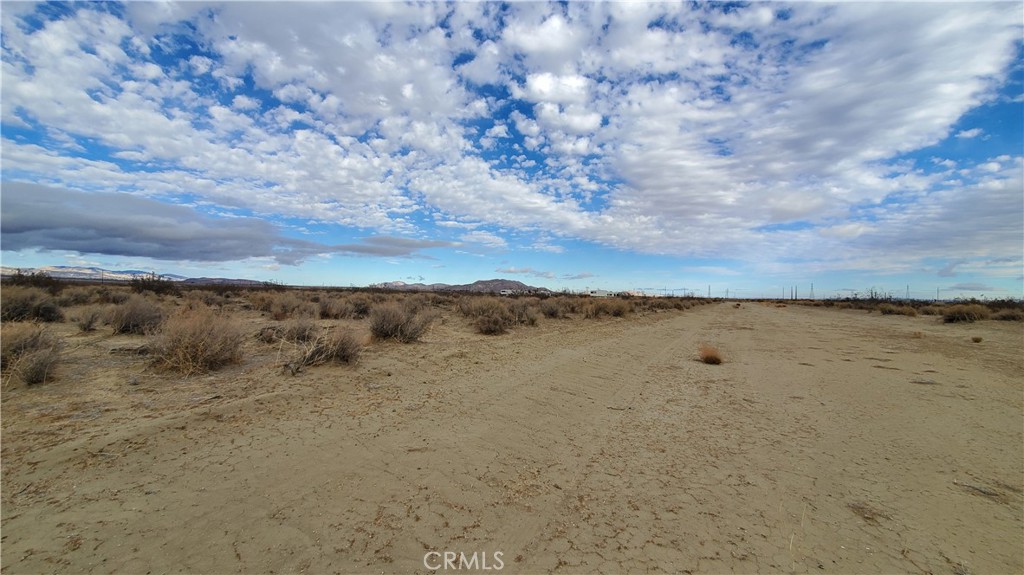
x,y
506,292
600,293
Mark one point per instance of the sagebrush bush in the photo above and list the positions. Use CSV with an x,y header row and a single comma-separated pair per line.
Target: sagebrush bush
x,y
29,351
18,302
931,310
890,309
77,295
88,318
709,354
965,313
391,321
300,329
491,324
197,341
335,308
137,315
337,345
612,307
360,307
1009,315
552,309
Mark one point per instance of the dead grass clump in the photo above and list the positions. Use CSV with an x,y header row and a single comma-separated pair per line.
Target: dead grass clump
x,y
890,309
391,321
29,351
965,313
1009,315
338,345
137,315
197,341
976,339
709,354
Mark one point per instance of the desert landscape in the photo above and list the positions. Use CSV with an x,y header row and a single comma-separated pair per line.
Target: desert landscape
x,y
521,435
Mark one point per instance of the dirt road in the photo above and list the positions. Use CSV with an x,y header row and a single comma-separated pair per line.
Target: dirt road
x,y
828,441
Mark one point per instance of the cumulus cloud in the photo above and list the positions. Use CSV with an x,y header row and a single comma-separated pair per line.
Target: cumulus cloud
x,y
759,132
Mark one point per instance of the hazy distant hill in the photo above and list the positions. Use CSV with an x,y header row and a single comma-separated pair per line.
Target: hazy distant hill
x,y
479,286
87,273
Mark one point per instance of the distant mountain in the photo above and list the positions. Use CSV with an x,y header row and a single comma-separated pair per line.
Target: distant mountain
x,y
87,273
479,286
221,282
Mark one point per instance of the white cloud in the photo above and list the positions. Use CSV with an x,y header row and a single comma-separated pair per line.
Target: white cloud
x,y
643,126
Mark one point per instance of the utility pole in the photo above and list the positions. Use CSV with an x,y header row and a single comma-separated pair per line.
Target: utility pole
x,y
709,290
812,290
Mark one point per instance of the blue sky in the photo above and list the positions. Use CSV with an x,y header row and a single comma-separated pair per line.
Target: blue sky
x,y
667,146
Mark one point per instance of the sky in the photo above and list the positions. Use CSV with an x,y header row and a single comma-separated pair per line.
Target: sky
x,y
745,148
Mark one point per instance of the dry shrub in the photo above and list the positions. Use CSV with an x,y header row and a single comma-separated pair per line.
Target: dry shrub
x,y
198,341
17,302
335,308
1009,315
965,313
300,329
88,318
491,325
976,339
709,354
890,309
522,312
338,345
21,303
77,295
614,308
931,310
29,351
552,308
137,315
360,307
391,321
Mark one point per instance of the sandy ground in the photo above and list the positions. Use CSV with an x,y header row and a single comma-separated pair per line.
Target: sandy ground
x,y
829,441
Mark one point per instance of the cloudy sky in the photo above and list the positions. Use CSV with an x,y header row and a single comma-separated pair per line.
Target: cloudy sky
x,y
666,146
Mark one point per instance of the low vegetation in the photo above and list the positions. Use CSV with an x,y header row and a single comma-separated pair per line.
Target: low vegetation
x,y
29,352
197,341
965,313
138,315
338,345
392,321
